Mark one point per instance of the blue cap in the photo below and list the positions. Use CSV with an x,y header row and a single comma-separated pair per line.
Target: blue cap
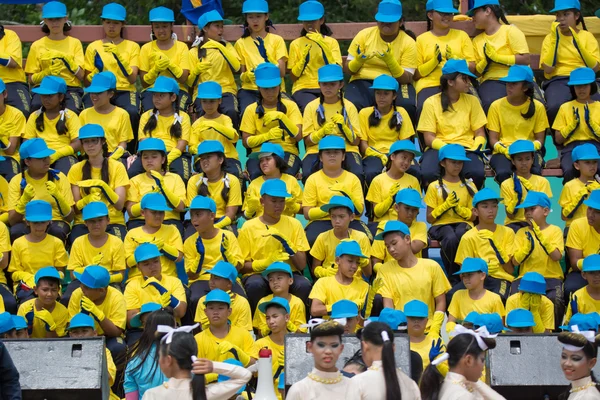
x,y
51,85
393,318
385,82
95,209
472,317
280,301
586,151
35,148
521,146
225,270
162,14
416,308
46,272
152,144
274,188
597,13
114,12
410,197
482,3
493,323
331,73
471,264
579,76
217,296
203,203
101,82
207,18
210,90
38,211
146,251
518,73
533,282
268,149
591,263
278,266
163,84
90,131
338,201
94,277
520,318
584,322
404,145
311,11
267,75
456,65
393,226
255,6
443,6
155,201
536,199
350,248
389,11
344,309
560,5
6,322
54,9
453,151
19,321
81,320
484,195
136,321
210,146
280,384
331,142
593,200
2,86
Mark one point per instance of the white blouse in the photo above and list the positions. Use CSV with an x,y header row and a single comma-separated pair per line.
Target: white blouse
x,y
584,389
457,387
319,385
370,385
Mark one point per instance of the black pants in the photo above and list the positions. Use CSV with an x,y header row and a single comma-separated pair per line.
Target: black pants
x,y
293,162
73,100
184,100
554,291
10,302
305,96
352,163
114,229
430,168
566,160
200,289
19,97
449,237
358,92
257,287
57,229
490,91
499,286
503,168
229,107
9,168
181,166
245,98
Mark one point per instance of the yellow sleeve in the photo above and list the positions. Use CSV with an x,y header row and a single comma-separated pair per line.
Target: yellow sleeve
x,y
245,240
234,248
13,47
517,40
32,65
318,251
298,236
177,290
309,118
507,191
118,310
15,263
418,232
319,291
499,307
454,307
408,59
556,237
248,123
61,259
354,122
143,121
65,189
200,315
546,49
111,367
30,129
468,52
493,117
145,58
547,313
563,117
78,52
374,194
186,127
440,282
357,192
248,343
508,241
190,253
541,118
407,130
477,114
431,197
235,192
428,119
512,302
575,238
244,316
75,303
76,259
310,197
293,113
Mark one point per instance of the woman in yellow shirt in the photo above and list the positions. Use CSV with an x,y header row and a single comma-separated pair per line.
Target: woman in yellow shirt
x,y
57,55
12,73
314,48
565,49
12,128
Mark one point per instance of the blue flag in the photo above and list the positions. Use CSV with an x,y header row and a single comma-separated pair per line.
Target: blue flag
x,y
192,13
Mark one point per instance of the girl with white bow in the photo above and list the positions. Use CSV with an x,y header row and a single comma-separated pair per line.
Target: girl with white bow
x,y
580,350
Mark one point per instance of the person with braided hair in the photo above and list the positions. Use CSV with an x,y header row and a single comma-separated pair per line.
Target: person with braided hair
x,y
578,357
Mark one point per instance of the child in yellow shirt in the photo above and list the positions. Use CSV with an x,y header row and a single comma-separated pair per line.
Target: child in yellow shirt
x,y
7,326
587,299
520,320
7,298
13,73
20,326
531,296
346,313
417,314
12,124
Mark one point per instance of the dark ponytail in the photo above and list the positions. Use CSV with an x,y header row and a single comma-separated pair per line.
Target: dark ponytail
x,y
176,128
203,187
580,19
152,122
464,182
529,93
182,347
498,12
61,124
86,171
395,122
446,104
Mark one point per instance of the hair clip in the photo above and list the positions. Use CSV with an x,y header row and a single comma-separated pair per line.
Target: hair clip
x,y
385,336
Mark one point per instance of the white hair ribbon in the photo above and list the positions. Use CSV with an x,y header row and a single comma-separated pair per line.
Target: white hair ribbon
x,y
62,114
174,36
194,359
385,336
443,357
154,114
177,118
589,335
398,117
478,334
226,181
170,331
197,41
377,114
318,321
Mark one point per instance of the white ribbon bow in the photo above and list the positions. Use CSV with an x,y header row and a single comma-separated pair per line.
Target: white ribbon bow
x,y
154,114
177,118
197,41
318,321
478,334
170,331
62,114
589,335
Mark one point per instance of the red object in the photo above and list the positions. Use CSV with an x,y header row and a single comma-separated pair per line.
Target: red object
x,y
264,353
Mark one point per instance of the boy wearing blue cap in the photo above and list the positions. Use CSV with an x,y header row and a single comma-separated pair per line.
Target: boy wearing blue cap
x,y
20,327
531,296
520,320
46,317
417,314
587,299
346,313
12,122
7,326
493,322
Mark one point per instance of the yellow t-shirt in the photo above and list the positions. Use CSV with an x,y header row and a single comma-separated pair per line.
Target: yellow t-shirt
x,y
208,344
214,192
434,198
171,236
136,295
83,253
240,313
117,177
163,129
3,195
178,54
128,50
4,248
116,125
508,121
458,124
297,313
425,281
403,46
380,188
276,351
293,188
585,304
53,139
324,248
565,117
567,56
311,123
433,335
508,40
11,44
462,304
546,309
59,314
198,136
328,290
418,231
539,261
568,194
310,77
250,57
471,245
69,45
113,307
507,192
212,253
12,124
317,190
583,237
219,71
143,184
381,137
253,125
112,373
257,244
458,41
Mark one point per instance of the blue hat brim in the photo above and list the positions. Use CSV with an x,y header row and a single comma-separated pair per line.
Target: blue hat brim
x,y
330,79
158,90
508,78
91,286
449,10
498,199
468,271
527,290
42,154
260,154
577,83
277,193
96,89
158,208
75,326
416,315
205,302
310,17
560,8
587,158
327,207
591,269
112,17
352,253
526,204
592,204
268,83
415,152
456,158
220,275
411,204
210,96
43,91
523,325
148,256
95,215
344,315
136,321
54,15
267,272
380,236
383,87
387,18
38,218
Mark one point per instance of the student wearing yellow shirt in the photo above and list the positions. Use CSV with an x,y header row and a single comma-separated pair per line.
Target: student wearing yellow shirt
x,y
448,203
587,299
564,49
417,314
256,46
531,296
496,49
520,320
577,120
56,54
453,117
7,299
12,73
514,190
273,237
314,48
98,178
383,49
514,117
12,127
58,126
164,56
